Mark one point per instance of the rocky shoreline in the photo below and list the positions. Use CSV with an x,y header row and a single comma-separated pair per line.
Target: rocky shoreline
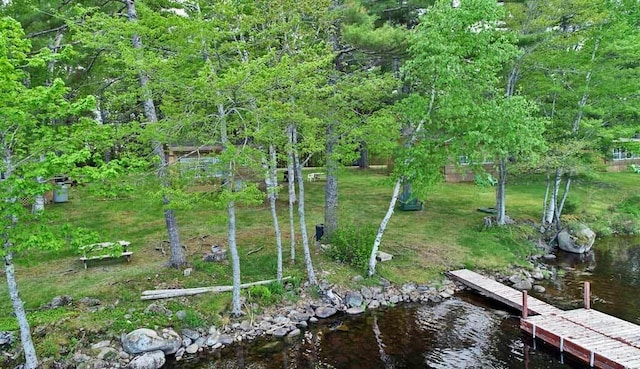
x,y
146,348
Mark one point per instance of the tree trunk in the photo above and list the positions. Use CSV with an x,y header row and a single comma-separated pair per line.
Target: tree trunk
x,y
567,185
331,185
30,357
38,201
552,206
301,214
271,182
364,156
178,258
546,198
292,191
231,222
383,226
500,192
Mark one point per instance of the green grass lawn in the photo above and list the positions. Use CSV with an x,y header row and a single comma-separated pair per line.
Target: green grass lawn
x,y
447,234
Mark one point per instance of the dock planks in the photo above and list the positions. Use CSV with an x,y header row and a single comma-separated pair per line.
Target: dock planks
x,y
598,339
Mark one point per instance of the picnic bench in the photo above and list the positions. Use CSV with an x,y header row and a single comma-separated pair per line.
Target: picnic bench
x,y
105,250
312,177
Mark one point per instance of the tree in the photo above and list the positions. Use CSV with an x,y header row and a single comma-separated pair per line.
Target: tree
x,y
38,139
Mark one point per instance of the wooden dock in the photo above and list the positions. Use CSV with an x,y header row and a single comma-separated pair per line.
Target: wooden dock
x,y
598,339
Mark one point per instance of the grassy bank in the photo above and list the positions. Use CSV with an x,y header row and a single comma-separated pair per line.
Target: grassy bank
x,y
447,234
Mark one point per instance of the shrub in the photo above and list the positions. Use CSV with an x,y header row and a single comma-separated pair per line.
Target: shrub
x,y
352,244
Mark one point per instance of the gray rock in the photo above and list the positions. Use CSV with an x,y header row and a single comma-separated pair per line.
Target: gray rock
x,y
384,282
353,299
366,293
225,339
549,257
194,335
6,338
59,301
187,272
280,332
192,348
355,310
157,309
108,353
147,340
394,299
538,275
313,319
79,357
186,341
538,288
325,311
89,301
295,332
218,254
407,288
180,353
374,304
245,325
358,278
383,256
281,320
523,285
101,344
302,324
181,314
149,360
297,316
577,241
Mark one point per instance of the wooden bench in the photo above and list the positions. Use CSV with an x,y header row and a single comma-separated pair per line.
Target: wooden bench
x,y
312,177
105,250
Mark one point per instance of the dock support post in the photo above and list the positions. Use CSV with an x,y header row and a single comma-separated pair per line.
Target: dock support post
x,y
587,295
525,308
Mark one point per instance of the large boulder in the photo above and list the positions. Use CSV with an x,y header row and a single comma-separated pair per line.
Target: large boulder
x,y
146,340
578,240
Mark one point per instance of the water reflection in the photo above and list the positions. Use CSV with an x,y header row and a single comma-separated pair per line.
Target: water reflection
x,y
464,332
613,268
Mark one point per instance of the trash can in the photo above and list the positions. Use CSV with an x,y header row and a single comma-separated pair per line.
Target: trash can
x,y
319,231
61,193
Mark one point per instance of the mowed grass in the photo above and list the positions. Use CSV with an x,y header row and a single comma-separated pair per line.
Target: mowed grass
x,y
447,234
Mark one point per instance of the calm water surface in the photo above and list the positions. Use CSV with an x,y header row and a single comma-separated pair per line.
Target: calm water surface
x,y
467,331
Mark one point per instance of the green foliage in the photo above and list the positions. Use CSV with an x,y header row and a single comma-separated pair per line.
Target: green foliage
x,y
352,244
630,205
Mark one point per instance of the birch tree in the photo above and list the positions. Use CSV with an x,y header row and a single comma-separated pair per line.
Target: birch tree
x,y
32,147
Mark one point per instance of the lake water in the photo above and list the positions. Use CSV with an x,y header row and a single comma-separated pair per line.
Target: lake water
x,y
467,331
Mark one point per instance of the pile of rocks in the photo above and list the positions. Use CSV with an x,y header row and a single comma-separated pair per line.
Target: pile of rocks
x,y
147,349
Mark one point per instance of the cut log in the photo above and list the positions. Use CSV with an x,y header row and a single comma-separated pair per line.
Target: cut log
x,y
178,292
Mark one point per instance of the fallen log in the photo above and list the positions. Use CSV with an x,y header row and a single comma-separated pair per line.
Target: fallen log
x,y
179,292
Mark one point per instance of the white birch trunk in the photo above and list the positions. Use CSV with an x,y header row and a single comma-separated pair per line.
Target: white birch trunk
x,y
500,192
271,182
231,222
546,198
383,226
567,184
394,198
292,192
30,357
178,258
311,275
552,205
